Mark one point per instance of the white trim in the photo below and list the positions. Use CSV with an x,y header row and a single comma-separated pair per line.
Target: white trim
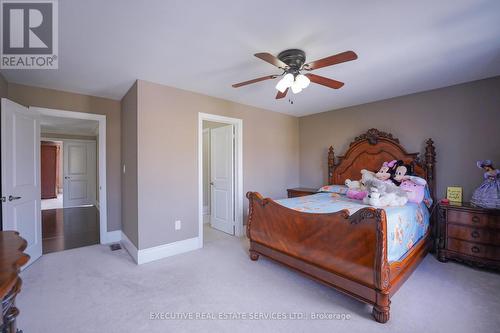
x,y
103,211
45,138
158,252
238,127
113,237
129,246
167,250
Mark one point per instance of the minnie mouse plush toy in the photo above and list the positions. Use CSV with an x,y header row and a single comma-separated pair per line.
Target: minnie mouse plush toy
x,y
386,171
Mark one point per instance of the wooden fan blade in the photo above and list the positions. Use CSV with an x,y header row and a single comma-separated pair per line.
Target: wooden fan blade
x,y
324,81
268,57
269,77
280,94
331,60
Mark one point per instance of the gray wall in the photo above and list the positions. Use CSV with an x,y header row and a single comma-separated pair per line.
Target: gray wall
x,y
61,100
129,160
168,157
463,120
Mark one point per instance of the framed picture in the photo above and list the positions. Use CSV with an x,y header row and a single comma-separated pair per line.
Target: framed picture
x,y
454,194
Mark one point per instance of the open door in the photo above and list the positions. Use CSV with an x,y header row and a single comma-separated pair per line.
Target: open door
x,y
222,178
20,157
79,173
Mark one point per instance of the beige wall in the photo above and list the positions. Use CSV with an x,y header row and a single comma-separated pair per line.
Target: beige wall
x,y
212,124
55,99
463,120
168,157
129,160
3,86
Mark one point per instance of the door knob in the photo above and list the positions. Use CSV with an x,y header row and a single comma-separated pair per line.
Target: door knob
x,y
11,198
66,177
212,183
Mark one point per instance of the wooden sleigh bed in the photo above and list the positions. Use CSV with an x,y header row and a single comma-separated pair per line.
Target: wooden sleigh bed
x,y
347,252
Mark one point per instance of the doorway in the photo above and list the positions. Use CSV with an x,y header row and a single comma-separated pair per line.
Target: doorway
x,y
70,216
21,174
220,176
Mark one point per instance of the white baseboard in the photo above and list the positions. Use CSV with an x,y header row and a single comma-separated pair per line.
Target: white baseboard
x,y
206,210
167,250
206,219
159,252
112,237
129,246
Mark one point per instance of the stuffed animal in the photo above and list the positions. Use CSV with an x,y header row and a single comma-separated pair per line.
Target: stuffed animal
x,y
357,189
386,170
358,184
382,194
414,187
400,171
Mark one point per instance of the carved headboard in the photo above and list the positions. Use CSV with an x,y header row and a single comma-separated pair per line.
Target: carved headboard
x,y
370,150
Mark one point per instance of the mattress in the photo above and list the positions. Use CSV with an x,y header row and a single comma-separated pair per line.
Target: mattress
x,y
406,225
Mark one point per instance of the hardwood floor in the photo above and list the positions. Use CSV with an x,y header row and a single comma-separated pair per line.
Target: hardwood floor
x,y
68,228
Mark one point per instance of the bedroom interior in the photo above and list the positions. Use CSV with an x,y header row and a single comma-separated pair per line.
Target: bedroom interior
x,y
263,176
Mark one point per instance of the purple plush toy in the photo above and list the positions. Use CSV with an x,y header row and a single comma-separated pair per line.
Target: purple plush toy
x,y
487,195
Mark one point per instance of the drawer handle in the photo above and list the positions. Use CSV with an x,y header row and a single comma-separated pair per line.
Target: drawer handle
x,y
475,219
474,234
475,249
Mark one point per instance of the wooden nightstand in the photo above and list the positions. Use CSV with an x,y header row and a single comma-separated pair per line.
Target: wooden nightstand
x,y
301,191
469,234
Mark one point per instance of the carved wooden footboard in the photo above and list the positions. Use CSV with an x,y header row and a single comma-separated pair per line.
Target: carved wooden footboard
x,y
347,252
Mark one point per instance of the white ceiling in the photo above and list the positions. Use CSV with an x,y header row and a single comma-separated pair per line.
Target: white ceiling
x,y
59,125
205,46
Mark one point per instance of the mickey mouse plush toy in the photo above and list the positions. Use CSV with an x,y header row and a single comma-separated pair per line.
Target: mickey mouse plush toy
x,y
394,171
400,171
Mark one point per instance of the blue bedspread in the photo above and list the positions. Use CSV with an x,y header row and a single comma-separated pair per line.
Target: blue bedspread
x,y
405,225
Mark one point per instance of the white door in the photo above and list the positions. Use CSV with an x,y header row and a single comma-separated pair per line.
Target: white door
x,y
21,188
79,167
222,178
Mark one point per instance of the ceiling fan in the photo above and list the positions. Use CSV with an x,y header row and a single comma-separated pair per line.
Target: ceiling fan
x,y
292,62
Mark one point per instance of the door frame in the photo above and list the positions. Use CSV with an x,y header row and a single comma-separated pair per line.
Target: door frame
x,y
104,236
238,175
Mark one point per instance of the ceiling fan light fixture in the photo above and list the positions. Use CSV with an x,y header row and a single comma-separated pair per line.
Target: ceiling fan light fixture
x,y
302,80
296,88
285,82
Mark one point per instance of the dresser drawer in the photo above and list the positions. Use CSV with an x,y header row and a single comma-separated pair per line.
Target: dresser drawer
x,y
474,249
486,236
473,219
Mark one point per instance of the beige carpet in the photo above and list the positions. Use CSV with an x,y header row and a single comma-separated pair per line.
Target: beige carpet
x,y
92,289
